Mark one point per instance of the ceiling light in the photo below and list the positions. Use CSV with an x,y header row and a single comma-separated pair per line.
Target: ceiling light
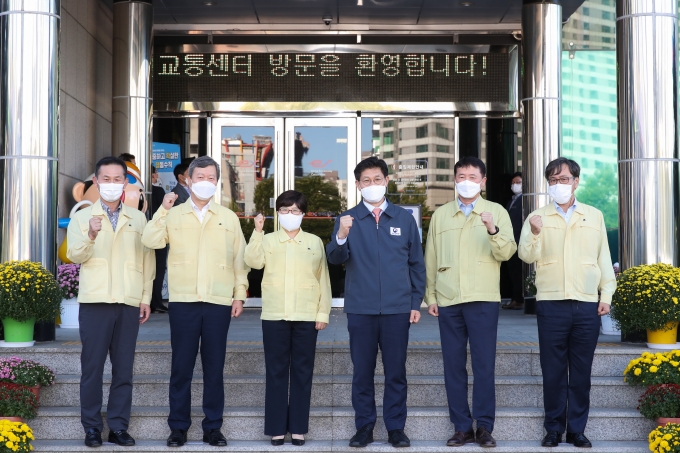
x,y
209,3
360,2
465,3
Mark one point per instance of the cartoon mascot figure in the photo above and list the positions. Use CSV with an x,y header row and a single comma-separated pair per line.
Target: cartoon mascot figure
x,y
85,193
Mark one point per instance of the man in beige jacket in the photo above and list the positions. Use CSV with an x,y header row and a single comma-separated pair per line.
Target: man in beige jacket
x,y
568,242
116,279
207,279
468,239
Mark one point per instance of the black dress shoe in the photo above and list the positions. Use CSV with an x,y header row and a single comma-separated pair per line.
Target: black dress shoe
x,y
552,439
277,442
215,438
398,439
579,440
93,438
121,438
363,437
298,442
484,438
177,438
461,438
159,310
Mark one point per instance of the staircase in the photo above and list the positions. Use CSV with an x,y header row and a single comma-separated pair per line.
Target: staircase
x,y
614,425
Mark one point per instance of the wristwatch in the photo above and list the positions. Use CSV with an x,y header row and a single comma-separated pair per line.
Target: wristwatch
x,y
495,233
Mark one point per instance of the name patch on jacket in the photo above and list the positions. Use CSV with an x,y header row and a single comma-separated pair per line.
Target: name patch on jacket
x,y
395,231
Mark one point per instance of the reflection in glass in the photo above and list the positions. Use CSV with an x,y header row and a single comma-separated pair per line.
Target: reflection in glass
x,y
321,174
248,157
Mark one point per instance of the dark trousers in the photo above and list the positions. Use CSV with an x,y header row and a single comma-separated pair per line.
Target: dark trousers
x,y
477,322
366,334
107,329
161,264
516,282
192,324
289,349
567,335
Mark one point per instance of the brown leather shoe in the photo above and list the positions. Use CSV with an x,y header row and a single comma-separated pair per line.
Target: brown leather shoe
x,y
484,438
461,438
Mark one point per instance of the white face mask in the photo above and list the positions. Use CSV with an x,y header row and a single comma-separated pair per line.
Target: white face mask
x,y
561,193
204,190
290,222
373,194
516,188
468,189
111,192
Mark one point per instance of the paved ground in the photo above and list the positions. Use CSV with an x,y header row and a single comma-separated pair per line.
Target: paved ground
x,y
514,329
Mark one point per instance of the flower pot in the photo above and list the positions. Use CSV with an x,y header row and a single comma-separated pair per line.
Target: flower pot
x,y
12,419
663,339
69,313
608,326
17,334
44,331
36,391
663,421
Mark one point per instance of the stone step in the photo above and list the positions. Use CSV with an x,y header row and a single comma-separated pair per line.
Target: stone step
x,y
57,446
423,423
329,391
330,360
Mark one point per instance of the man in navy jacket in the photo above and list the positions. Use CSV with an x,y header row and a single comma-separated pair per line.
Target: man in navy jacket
x,y
380,245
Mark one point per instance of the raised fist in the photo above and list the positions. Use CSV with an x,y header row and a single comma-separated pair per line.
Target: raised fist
x,y
95,227
345,225
259,223
169,200
536,223
487,220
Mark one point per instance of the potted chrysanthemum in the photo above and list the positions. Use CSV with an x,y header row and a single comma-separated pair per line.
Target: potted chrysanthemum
x,y
68,278
26,372
17,402
15,437
647,298
28,293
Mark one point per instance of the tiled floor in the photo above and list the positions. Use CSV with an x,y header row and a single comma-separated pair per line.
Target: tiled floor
x,y
514,329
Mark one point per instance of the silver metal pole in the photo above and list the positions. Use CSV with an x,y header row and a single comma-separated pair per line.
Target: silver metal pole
x,y
542,99
647,60
132,102
29,125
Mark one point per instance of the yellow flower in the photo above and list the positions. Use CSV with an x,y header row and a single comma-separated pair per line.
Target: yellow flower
x,y
653,369
637,372
657,362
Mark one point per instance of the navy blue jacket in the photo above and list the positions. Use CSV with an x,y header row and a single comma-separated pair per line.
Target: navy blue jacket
x,y
385,265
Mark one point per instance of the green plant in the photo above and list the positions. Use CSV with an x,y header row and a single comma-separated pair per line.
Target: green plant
x,y
17,401
25,372
650,369
660,401
15,437
647,297
665,439
530,283
28,290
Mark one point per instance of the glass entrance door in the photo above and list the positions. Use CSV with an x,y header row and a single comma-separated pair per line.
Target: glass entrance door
x,y
262,157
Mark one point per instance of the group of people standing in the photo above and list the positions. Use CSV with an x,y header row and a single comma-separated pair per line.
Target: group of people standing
x,y
387,279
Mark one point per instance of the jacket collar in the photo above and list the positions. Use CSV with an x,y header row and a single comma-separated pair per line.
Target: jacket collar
x,y
186,207
362,210
480,206
125,211
551,209
283,236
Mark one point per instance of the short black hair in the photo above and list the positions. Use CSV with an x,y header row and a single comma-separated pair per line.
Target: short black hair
x,y
153,169
555,167
517,174
110,160
204,162
290,198
179,170
470,161
370,162
127,157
